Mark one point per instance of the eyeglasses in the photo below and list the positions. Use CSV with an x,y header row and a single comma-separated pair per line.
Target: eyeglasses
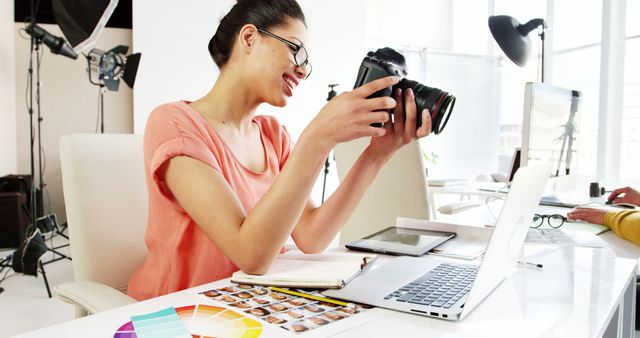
x,y
300,55
554,221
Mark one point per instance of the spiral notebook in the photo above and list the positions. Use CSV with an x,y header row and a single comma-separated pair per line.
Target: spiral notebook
x,y
298,270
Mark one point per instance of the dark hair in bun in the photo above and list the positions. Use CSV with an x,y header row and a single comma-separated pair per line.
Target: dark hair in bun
x,y
261,13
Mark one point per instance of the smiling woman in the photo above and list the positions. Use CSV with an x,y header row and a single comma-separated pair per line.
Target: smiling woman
x,y
226,187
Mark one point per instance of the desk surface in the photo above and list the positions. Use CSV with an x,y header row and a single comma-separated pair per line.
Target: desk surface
x,y
488,214
575,295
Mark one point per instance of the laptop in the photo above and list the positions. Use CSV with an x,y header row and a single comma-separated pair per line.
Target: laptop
x,y
445,288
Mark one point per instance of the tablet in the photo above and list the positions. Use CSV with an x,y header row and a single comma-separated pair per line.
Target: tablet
x,y
401,241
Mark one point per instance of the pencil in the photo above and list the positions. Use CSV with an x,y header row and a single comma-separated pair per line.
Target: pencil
x,y
308,296
537,265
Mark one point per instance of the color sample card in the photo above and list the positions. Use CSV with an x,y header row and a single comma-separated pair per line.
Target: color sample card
x,y
199,321
292,313
160,324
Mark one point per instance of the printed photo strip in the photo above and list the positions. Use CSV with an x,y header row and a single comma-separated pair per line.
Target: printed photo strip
x,y
292,313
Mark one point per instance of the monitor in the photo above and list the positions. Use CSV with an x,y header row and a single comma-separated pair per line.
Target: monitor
x,y
549,127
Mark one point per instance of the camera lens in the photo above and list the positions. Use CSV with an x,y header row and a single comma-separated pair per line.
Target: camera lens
x,y
439,103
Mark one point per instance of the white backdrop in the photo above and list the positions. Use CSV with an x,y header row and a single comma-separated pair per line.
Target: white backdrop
x,y
176,64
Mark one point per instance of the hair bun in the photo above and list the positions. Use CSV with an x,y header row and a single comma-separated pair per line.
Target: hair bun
x,y
261,13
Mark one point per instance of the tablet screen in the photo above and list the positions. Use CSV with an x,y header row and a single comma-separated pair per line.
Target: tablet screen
x,y
402,241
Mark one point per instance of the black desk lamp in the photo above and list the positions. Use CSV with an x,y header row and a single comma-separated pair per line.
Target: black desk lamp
x,y
513,38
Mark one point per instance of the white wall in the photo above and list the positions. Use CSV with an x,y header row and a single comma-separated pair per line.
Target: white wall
x,y
8,155
69,104
178,65
175,62
423,23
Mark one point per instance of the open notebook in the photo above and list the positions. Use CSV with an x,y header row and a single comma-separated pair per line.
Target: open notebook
x,y
298,270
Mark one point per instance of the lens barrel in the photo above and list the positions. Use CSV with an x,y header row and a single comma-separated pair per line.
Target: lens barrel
x,y
439,103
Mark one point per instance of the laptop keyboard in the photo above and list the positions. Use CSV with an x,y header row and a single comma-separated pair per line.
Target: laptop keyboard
x,y
443,286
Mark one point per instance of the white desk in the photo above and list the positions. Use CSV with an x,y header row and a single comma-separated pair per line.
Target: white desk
x,y
487,215
580,292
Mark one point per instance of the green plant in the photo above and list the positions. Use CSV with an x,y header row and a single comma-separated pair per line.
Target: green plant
x,y
432,157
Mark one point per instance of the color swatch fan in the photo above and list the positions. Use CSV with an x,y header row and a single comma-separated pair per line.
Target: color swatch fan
x,y
199,320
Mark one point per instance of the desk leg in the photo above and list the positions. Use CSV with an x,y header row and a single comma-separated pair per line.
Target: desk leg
x,y
628,307
623,322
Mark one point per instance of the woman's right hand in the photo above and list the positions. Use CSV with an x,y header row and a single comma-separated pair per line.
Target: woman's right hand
x,y
595,216
630,196
349,115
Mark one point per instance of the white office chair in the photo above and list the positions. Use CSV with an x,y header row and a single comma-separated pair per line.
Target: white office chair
x,y
399,190
106,202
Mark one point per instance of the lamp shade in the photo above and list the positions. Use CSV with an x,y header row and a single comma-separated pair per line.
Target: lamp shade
x,y
513,37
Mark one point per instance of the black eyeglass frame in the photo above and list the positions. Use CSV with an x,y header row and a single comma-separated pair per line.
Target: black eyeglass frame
x,y
296,48
548,217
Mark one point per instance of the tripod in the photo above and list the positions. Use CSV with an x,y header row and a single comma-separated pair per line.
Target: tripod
x,y
331,95
101,90
33,229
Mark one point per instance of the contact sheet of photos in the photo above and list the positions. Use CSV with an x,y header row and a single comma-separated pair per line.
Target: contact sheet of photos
x,y
292,313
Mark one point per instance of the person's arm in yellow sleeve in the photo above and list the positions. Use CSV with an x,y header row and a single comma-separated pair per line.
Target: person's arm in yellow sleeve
x,y
625,224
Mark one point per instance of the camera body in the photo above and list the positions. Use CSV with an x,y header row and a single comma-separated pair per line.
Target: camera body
x,y
387,62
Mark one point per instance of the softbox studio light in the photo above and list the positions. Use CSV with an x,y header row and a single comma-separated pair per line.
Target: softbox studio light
x,y
82,21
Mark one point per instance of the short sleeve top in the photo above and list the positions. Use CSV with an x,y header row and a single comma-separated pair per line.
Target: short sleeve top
x,y
180,254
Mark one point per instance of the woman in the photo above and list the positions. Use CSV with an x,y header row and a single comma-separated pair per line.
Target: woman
x,y
227,187
624,223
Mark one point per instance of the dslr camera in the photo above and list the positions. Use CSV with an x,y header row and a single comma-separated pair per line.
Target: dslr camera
x,y
386,62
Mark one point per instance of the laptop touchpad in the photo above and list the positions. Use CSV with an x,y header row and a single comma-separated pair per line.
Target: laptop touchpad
x,y
400,271
393,276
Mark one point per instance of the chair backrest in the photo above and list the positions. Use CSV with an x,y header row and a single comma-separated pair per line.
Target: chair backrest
x,y
106,202
400,189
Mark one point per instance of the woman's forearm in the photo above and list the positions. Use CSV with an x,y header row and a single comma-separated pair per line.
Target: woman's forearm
x,y
317,228
273,218
625,224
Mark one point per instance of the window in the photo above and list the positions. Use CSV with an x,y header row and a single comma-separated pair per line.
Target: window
x,y
574,44
575,64
630,136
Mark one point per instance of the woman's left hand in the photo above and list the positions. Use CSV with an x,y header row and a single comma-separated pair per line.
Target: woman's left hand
x,y
403,128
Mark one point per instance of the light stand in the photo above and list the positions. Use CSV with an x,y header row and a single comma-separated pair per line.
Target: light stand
x,y
541,35
41,184
101,112
33,247
332,93
33,213
109,67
